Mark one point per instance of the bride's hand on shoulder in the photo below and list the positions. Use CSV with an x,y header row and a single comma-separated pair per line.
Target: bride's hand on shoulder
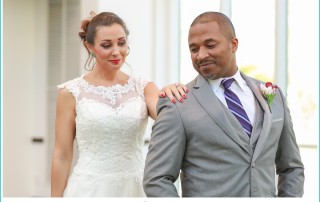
x,y
175,92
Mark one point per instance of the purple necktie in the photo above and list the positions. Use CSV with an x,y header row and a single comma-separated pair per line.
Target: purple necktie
x,y
235,106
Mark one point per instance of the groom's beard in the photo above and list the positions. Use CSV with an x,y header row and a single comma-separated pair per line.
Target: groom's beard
x,y
210,76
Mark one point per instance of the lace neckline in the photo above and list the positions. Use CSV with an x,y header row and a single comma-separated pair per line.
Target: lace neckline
x,y
107,88
111,93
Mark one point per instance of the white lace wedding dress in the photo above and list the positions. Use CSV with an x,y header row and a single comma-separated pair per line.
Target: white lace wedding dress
x,y
110,126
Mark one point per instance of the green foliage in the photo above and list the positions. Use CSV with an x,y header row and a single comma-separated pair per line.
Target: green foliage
x,y
252,71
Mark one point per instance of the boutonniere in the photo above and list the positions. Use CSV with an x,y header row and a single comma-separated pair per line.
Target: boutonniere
x,y
268,91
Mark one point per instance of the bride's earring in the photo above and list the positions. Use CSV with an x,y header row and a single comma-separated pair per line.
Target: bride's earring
x,y
91,61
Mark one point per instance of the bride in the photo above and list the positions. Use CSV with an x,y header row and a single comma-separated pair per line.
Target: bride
x,y
106,111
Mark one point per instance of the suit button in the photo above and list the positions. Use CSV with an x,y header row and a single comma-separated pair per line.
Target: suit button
x,y
253,165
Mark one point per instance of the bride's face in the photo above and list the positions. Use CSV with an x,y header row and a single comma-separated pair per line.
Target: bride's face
x,y
110,46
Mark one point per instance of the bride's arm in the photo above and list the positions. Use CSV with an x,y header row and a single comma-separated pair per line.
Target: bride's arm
x,y
151,92
63,149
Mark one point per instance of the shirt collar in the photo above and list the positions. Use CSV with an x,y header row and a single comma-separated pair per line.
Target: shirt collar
x,y
239,80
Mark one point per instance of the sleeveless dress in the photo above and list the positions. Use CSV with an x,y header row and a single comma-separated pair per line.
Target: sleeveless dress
x,y
110,127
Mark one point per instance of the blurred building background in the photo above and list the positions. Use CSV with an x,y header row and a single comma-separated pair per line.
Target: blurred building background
x,y
278,42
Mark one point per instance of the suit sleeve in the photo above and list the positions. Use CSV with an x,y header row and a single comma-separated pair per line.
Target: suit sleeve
x,y
166,151
288,161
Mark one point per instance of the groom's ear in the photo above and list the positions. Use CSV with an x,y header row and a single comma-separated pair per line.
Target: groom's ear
x,y
234,44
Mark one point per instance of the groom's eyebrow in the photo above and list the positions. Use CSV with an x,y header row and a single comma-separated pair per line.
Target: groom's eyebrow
x,y
205,42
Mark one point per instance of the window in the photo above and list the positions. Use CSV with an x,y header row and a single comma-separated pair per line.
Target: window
x,y
303,69
255,28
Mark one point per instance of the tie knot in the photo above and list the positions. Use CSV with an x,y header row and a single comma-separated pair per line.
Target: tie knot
x,y
227,83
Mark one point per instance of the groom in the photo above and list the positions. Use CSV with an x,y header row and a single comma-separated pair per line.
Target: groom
x,y
224,140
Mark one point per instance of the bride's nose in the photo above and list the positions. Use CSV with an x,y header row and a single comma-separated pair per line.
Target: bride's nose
x,y
116,50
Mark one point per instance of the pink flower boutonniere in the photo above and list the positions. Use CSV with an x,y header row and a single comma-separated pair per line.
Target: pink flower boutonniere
x,y
268,91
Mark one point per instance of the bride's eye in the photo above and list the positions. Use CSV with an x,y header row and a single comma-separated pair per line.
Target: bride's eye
x,y
105,46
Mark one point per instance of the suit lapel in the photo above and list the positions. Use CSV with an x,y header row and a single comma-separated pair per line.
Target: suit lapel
x,y
212,105
267,117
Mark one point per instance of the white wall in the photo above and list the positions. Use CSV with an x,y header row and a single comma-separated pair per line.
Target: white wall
x,y
24,106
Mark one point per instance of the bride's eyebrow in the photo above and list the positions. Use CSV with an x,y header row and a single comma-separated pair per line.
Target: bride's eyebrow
x,y
109,40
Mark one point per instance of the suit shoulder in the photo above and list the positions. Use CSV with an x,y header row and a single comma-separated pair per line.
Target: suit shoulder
x,y
191,84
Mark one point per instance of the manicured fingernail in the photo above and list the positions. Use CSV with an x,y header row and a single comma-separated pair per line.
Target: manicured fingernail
x,y
173,100
187,90
163,95
184,96
181,100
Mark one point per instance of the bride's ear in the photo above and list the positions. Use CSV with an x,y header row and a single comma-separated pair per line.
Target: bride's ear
x,y
89,46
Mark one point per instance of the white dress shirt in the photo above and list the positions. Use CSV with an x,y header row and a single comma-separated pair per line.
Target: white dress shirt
x,y
241,89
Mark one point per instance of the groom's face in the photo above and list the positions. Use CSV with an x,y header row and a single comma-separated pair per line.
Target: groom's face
x,y
212,53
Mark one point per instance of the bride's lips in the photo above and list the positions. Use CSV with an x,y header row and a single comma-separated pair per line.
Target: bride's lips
x,y
115,61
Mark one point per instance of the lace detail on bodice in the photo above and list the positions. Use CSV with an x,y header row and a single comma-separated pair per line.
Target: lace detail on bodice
x,y
110,127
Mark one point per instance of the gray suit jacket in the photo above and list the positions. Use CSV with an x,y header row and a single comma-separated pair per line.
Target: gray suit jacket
x,y
203,142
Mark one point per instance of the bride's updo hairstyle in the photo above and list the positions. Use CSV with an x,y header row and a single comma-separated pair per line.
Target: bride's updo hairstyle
x,y
89,28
